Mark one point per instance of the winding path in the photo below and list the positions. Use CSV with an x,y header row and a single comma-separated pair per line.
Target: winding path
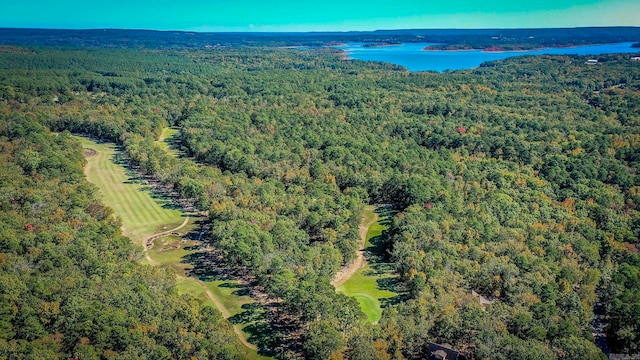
x,y
147,242
227,315
225,312
349,270
149,239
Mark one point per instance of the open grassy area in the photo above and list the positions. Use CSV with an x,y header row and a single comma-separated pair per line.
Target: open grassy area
x,y
172,251
169,251
168,140
374,231
188,286
231,294
142,211
368,215
372,284
240,309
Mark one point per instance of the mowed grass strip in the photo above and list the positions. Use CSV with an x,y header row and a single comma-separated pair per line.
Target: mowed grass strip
x,y
188,286
364,284
171,251
141,214
168,136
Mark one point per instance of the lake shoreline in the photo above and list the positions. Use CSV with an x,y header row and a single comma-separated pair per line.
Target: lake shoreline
x,y
497,49
417,57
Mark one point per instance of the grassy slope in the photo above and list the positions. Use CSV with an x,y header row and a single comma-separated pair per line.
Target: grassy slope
x,y
142,212
224,291
168,135
364,284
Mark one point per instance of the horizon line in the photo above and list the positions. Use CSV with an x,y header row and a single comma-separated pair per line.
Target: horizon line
x,y
322,31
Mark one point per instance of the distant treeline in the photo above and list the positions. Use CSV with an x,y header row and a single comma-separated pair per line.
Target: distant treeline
x,y
457,38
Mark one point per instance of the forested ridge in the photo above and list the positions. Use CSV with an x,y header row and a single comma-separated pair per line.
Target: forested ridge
x,y
517,180
445,38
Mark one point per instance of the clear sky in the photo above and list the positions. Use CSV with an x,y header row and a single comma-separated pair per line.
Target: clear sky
x,y
315,15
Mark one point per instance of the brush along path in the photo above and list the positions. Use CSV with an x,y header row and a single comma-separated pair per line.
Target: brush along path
x,y
349,270
144,218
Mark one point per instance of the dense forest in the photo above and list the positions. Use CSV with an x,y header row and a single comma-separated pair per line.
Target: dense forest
x,y
516,180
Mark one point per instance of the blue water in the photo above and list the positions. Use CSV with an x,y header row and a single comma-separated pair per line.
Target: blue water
x,y
412,57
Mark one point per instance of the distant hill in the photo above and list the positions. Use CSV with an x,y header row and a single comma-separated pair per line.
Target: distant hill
x,y
453,38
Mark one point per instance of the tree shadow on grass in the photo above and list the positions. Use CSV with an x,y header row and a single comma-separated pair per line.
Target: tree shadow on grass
x,y
197,232
263,330
231,285
393,284
204,267
252,312
379,269
164,200
378,249
256,319
174,142
386,302
386,214
135,177
386,221
242,290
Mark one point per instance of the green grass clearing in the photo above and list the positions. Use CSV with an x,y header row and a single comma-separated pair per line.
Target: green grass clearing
x,y
172,251
366,285
143,212
242,308
192,288
168,139
224,290
368,215
375,229
228,292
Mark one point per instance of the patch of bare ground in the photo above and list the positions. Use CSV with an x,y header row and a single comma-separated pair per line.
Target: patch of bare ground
x,y
350,269
89,152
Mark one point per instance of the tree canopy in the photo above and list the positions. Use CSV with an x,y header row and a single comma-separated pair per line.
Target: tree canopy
x,y
517,180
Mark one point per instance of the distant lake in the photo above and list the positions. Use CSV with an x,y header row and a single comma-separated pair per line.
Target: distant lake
x,y
411,55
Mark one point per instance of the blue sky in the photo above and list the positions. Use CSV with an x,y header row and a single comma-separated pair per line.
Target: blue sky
x,y
309,15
